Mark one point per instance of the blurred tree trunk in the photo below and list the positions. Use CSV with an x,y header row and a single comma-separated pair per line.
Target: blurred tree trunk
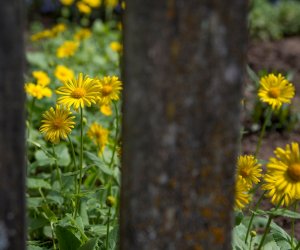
x,y
12,159
184,63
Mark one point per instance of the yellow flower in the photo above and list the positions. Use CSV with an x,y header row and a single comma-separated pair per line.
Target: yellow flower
x,y
58,28
67,2
83,8
283,175
63,73
110,87
275,90
249,169
242,196
67,49
98,135
111,3
106,110
82,34
37,91
41,35
116,46
79,92
41,77
57,124
93,3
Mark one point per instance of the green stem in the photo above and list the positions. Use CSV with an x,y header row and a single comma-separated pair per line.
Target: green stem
x,y
115,146
80,163
75,166
266,231
107,228
298,246
253,215
53,240
116,135
30,116
293,227
263,130
268,224
56,166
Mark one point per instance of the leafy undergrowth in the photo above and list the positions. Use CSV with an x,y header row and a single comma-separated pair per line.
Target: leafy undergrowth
x,y
73,179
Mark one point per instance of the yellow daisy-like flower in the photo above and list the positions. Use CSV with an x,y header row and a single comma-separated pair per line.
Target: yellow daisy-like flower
x,y
41,35
116,46
249,169
37,91
242,196
41,77
58,28
79,92
275,90
63,73
83,8
93,3
67,49
110,87
57,124
98,135
67,2
82,34
106,110
111,3
283,175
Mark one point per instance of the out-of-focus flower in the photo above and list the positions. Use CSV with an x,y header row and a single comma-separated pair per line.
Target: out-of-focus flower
x,y
67,49
116,46
41,77
63,73
37,91
82,34
83,8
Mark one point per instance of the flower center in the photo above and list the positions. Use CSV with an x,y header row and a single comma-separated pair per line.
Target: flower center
x,y
57,123
244,173
274,92
294,171
78,93
106,90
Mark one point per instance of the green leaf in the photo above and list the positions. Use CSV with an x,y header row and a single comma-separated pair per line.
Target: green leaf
x,y
89,245
279,212
34,183
49,214
100,230
98,162
34,202
42,158
66,239
37,59
63,156
36,223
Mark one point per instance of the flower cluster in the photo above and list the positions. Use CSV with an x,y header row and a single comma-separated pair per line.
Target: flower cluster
x,y
49,33
40,89
78,93
248,174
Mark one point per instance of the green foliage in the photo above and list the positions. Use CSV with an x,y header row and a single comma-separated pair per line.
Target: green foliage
x,y
273,21
51,190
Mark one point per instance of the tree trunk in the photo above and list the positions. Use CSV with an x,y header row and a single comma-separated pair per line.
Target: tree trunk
x,y
12,159
184,63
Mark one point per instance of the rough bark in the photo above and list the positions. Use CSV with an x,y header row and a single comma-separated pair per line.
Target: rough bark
x,y
184,64
12,160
